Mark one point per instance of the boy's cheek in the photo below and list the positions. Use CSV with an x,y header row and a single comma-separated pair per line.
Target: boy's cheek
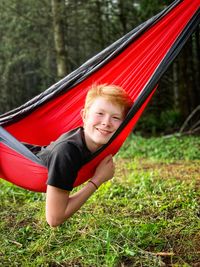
x,y
92,120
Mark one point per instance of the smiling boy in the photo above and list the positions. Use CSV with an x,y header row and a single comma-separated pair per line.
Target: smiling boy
x,y
101,119
105,108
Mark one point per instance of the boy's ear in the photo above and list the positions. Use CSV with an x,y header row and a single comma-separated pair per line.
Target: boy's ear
x,y
82,114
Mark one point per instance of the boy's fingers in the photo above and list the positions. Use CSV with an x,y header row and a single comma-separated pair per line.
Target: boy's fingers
x,y
109,156
107,159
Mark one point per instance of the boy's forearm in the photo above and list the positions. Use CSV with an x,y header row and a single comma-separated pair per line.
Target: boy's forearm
x,y
105,172
60,205
78,199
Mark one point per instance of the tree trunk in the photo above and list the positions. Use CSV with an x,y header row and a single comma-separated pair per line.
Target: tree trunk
x,y
196,74
122,15
175,84
57,12
183,84
100,24
189,78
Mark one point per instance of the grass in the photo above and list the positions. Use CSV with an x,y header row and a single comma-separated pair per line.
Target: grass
x,y
148,215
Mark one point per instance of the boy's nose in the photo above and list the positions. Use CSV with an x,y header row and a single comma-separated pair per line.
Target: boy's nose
x,y
106,121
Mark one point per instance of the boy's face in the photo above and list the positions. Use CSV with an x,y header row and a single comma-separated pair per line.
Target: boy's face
x,y
101,121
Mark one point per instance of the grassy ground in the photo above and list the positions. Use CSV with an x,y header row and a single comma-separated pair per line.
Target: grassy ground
x,y
148,215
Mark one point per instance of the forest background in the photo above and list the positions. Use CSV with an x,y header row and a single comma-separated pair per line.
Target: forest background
x,y
43,40
148,215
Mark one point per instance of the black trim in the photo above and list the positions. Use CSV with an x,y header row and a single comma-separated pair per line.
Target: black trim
x,y
10,141
83,71
161,69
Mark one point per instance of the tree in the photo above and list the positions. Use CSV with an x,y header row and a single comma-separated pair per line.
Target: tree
x,y
189,76
27,56
58,29
42,41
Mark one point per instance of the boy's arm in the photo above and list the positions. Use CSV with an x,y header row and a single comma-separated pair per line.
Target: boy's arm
x,y
60,205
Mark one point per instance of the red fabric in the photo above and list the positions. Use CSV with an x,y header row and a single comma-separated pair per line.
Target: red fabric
x,y
19,170
132,69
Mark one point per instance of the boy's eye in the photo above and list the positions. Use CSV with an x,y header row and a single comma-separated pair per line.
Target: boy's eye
x,y
116,118
99,113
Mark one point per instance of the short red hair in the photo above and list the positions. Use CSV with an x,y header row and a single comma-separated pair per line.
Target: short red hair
x,y
113,93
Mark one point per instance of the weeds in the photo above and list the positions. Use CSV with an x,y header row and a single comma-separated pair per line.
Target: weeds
x,y
163,148
146,216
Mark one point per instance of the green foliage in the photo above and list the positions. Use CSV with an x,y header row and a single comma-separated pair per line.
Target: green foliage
x,y
28,56
164,148
127,222
27,51
152,123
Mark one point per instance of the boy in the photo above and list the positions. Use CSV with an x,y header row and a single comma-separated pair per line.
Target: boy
x,y
105,108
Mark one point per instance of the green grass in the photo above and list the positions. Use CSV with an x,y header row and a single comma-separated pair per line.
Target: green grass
x,y
148,215
163,148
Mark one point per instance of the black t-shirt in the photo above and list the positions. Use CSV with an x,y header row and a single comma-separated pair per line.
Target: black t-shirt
x,y
64,158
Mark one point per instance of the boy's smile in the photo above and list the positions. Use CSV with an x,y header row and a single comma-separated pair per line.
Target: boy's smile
x,y
101,121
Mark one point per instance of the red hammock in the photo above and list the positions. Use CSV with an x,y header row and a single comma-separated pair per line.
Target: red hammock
x,y
136,62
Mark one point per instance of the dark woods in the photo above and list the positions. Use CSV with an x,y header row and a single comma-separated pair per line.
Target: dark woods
x,y
42,41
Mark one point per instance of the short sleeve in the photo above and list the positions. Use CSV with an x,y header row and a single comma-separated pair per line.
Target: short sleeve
x,y
63,165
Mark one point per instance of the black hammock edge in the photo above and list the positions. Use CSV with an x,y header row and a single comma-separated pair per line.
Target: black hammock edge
x,y
85,70
160,70
12,142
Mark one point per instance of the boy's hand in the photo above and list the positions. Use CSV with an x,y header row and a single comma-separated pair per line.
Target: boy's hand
x,y
104,171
